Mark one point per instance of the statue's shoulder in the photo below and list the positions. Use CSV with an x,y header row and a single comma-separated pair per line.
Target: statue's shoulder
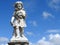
x,y
22,10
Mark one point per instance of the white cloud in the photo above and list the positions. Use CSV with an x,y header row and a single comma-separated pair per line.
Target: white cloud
x,y
56,1
4,41
54,4
29,33
33,23
3,44
6,44
54,39
47,15
43,42
53,31
31,43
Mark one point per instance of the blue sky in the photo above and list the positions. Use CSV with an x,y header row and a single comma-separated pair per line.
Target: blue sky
x,y
42,18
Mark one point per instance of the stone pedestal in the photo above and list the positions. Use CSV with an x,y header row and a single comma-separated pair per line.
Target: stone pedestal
x,y
18,43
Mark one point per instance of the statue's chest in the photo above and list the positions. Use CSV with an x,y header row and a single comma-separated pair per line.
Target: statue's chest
x,y
19,13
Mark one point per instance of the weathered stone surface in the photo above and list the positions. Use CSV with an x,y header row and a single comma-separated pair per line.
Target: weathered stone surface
x,y
18,23
18,43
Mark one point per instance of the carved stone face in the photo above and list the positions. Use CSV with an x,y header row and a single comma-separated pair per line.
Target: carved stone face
x,y
18,6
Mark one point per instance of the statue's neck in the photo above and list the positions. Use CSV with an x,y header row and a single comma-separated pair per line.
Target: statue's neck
x,y
17,9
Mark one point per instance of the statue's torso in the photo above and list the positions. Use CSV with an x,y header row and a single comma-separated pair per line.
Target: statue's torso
x,y
19,14
19,21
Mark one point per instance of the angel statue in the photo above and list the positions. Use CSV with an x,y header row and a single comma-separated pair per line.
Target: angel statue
x,y
18,19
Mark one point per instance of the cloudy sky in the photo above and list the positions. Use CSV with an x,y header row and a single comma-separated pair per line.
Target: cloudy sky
x,y
42,19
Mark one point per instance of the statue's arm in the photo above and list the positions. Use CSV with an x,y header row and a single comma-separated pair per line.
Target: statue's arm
x,y
24,14
12,20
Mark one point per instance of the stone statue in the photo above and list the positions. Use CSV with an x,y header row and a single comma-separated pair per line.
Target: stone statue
x,y
18,23
18,20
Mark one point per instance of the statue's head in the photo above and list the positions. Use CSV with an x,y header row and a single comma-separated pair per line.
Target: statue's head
x,y
18,5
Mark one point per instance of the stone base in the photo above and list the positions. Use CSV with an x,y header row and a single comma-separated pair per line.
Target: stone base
x,y
18,43
18,39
